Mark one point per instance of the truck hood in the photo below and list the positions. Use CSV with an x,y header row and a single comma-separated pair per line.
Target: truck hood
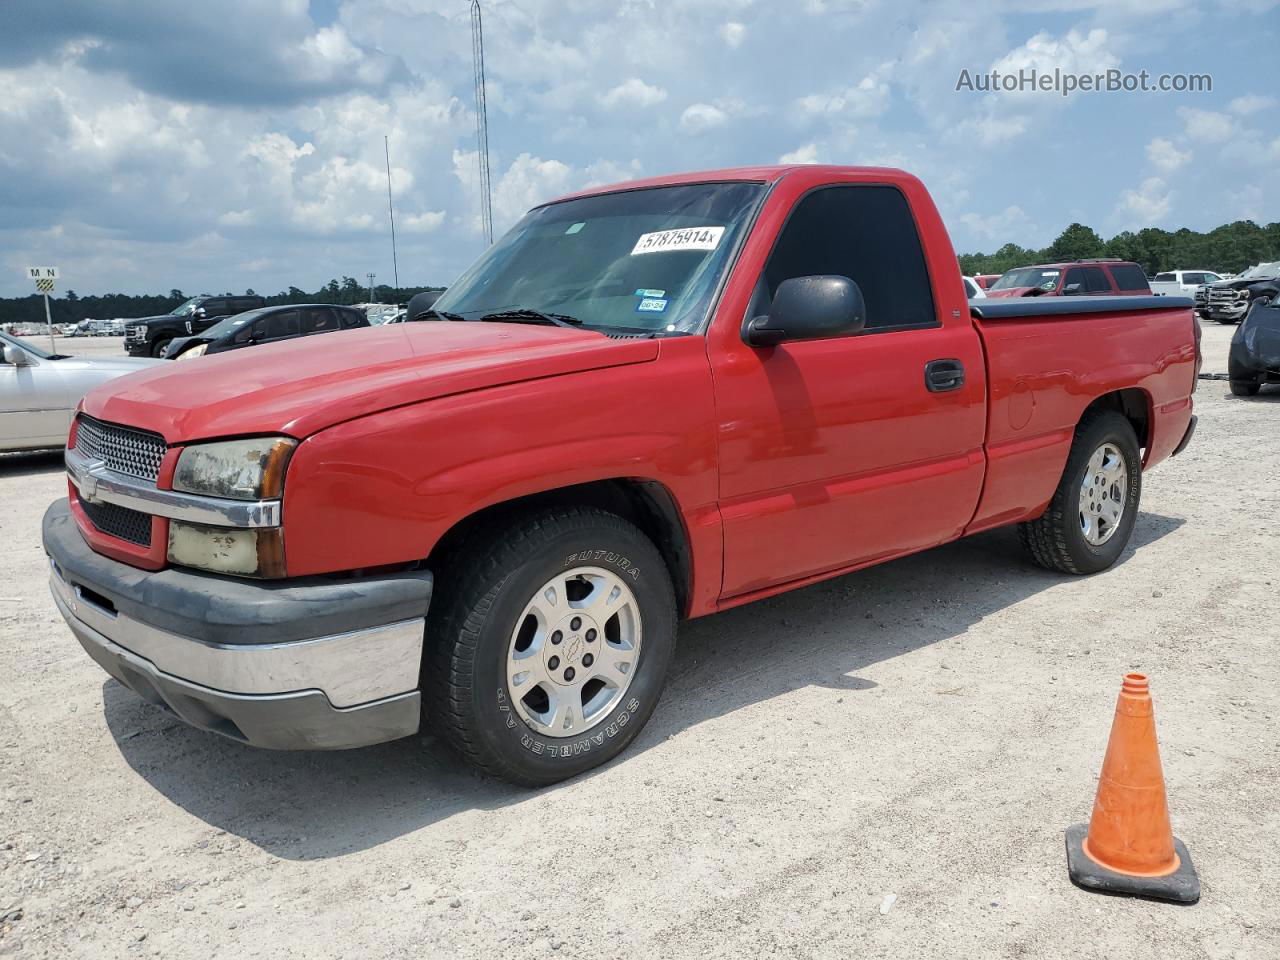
x,y
1239,284
299,387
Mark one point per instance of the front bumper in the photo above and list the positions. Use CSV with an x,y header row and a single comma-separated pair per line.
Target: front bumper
x,y
317,663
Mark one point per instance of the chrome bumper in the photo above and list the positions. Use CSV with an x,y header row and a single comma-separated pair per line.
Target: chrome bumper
x,y
308,664
348,668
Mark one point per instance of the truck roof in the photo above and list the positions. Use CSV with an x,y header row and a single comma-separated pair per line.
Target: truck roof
x,y
762,174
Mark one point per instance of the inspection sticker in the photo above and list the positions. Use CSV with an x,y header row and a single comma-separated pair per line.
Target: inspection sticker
x,y
651,305
685,238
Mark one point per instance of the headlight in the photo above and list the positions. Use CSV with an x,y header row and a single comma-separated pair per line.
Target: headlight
x,y
235,469
247,553
199,350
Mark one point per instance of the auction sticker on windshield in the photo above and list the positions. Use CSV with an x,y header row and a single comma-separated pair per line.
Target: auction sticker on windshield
x,y
684,238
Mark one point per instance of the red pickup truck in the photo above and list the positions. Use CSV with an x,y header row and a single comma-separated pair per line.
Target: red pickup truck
x,y
646,402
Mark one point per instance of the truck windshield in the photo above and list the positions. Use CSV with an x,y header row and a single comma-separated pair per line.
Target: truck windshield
x,y
636,261
183,309
1046,278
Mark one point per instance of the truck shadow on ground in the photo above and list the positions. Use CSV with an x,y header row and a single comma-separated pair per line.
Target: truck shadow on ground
x,y
305,806
31,464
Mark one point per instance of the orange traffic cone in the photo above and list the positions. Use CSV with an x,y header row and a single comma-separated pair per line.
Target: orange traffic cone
x,y
1128,846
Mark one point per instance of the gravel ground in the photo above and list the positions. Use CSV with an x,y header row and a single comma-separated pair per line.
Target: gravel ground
x,y
881,765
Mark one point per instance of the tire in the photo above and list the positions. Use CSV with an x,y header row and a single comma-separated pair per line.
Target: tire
x,y
481,642
1245,388
160,345
1059,540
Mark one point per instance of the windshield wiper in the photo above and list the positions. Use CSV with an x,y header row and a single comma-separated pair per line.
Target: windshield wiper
x,y
533,316
437,314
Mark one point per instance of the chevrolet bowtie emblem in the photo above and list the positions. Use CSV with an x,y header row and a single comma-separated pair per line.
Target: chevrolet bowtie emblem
x,y
89,482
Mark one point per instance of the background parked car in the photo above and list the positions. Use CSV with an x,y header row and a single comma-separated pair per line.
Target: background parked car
x,y
1181,283
972,290
268,325
985,280
40,390
1107,278
150,336
1228,301
1254,358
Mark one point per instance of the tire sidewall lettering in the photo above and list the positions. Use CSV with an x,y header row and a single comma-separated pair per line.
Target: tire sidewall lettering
x,y
592,740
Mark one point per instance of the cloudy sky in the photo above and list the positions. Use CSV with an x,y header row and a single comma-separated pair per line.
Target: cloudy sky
x,y
148,144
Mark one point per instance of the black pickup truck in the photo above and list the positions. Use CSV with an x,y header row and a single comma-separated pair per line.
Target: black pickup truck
x,y
150,336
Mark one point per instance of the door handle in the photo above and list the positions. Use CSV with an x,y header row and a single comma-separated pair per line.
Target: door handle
x,y
943,375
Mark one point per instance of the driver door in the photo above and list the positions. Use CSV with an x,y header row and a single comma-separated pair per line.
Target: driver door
x,y
838,452
35,405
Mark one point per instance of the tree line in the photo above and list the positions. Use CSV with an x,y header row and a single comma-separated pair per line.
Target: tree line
x,y
69,307
1229,248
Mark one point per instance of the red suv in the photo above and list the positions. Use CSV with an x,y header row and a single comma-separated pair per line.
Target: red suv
x,y
1108,278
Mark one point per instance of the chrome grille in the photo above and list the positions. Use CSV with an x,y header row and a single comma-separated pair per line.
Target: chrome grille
x,y
117,521
134,453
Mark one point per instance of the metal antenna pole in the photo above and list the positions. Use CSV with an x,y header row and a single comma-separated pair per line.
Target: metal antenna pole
x,y
371,276
482,122
395,267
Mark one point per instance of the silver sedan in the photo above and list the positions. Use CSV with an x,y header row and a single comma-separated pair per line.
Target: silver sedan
x,y
39,391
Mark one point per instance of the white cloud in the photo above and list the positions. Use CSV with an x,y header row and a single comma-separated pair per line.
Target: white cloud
x,y
1000,226
1146,206
701,117
527,182
633,92
1250,103
1164,156
1081,53
424,222
869,97
807,153
1206,125
733,33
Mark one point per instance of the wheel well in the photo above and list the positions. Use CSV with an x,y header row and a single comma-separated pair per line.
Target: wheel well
x,y
1132,404
646,503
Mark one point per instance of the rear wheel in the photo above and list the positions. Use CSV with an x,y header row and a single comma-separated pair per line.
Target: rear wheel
x,y
552,645
1091,516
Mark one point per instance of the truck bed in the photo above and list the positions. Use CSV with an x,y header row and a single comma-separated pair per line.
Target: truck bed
x,y
1047,357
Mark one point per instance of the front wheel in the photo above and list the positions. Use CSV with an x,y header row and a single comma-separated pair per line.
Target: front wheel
x,y
552,645
160,346
1091,516
1245,388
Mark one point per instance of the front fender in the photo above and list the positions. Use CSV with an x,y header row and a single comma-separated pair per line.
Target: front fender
x,y
383,489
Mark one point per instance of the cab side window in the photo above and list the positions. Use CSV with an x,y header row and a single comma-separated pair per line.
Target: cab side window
x,y
275,326
1074,277
865,233
1095,280
1128,276
318,320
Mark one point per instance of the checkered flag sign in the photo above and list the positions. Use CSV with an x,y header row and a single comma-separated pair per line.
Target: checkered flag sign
x,y
44,285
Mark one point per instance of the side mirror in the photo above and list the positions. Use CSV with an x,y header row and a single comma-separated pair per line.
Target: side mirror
x,y
15,356
1072,290
198,312
810,308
